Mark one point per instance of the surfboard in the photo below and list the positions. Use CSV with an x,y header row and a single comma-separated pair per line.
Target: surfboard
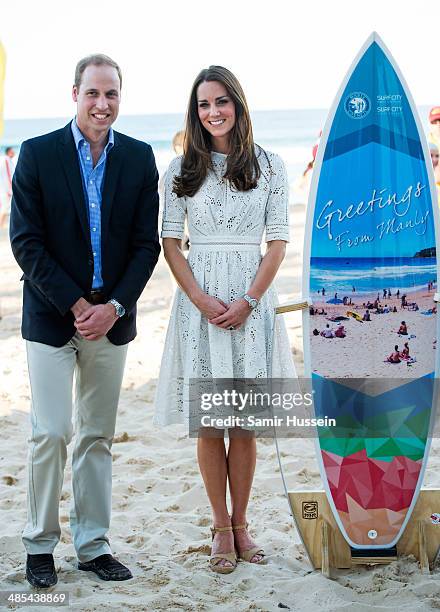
x,y
371,236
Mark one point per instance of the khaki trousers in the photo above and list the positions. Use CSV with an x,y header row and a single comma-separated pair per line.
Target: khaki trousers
x,y
98,367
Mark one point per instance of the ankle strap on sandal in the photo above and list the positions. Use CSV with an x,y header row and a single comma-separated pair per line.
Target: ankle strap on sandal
x,y
236,527
220,529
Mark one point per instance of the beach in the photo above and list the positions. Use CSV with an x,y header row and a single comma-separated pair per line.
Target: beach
x,y
364,350
161,518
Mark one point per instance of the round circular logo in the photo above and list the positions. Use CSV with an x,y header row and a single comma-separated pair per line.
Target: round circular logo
x,y
435,518
372,534
357,105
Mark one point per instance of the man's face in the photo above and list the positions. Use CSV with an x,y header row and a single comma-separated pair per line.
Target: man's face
x,y
435,126
97,99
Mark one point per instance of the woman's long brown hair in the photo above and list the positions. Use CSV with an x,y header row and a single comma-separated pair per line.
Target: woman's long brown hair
x,y
243,170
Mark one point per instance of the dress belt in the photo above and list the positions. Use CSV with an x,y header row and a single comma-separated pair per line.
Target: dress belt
x,y
218,245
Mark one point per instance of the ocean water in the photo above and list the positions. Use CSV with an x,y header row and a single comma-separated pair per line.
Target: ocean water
x,y
371,274
290,133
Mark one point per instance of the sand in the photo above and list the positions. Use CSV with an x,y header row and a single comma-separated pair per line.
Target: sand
x,y
161,518
367,344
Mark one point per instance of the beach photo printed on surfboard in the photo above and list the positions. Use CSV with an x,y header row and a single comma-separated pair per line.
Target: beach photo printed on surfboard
x,y
371,240
373,269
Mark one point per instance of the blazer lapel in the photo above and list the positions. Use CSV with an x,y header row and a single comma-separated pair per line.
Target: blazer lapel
x,y
72,171
112,169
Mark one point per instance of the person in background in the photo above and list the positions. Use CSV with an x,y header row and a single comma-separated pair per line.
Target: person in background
x,y
340,331
327,332
434,120
304,181
405,351
395,355
434,151
7,167
178,150
178,142
403,329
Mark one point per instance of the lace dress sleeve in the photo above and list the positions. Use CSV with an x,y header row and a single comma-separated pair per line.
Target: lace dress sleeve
x,y
174,211
277,210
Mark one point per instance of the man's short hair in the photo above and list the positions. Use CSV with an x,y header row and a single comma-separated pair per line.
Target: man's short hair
x,y
98,59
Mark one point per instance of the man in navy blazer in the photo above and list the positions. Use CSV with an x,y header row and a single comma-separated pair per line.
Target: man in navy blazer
x,y
83,229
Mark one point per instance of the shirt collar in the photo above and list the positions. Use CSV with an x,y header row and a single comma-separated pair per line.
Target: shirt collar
x,y
79,138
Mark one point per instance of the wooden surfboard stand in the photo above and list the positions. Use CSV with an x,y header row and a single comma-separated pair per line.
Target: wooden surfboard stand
x,y
327,548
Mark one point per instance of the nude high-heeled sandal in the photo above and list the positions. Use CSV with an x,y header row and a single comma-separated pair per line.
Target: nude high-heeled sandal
x,y
215,559
247,555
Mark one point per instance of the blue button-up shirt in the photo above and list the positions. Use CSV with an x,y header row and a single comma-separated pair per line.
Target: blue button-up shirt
x,y
93,179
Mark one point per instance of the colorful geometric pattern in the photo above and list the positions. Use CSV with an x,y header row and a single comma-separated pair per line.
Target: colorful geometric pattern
x,y
371,492
371,483
358,522
372,479
400,415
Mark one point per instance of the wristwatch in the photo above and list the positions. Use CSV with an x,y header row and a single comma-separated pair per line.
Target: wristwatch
x,y
120,310
253,302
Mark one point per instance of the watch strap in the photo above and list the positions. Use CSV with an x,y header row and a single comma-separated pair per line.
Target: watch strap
x,y
120,310
253,302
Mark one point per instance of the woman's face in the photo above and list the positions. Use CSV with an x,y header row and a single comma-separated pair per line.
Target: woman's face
x,y
434,157
216,110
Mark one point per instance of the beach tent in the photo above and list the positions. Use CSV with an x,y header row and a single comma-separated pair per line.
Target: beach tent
x,y
2,80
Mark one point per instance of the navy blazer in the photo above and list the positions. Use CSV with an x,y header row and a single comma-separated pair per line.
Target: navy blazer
x,y
50,235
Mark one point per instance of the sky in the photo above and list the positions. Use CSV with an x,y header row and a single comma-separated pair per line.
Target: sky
x,y
287,54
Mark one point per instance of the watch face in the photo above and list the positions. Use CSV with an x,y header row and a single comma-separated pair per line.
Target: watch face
x,y
119,309
253,302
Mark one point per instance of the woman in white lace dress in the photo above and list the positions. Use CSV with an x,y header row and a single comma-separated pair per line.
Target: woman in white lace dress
x,y
230,191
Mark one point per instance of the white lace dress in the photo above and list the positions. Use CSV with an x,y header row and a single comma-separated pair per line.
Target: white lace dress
x,y
225,231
